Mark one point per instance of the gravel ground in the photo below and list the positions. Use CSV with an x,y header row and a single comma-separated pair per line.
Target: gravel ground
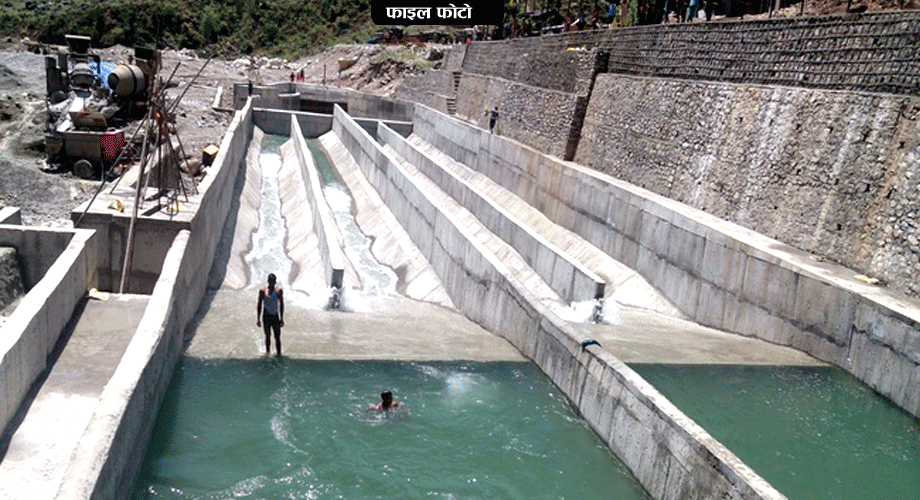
x,y
46,197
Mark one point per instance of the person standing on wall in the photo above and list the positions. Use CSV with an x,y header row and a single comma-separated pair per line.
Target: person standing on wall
x,y
270,314
693,10
493,117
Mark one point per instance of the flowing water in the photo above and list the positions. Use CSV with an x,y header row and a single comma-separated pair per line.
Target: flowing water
x,y
377,279
286,428
814,433
299,429
267,254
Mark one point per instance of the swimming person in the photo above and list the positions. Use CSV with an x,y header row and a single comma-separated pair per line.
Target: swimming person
x,y
386,402
270,313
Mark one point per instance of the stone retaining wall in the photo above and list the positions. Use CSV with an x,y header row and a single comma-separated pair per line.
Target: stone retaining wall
x,y
831,172
536,65
871,52
672,457
545,119
836,174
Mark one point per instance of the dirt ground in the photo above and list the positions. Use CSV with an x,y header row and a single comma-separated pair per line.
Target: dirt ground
x,y
46,196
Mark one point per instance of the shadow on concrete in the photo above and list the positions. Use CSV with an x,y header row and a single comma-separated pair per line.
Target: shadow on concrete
x,y
55,354
225,245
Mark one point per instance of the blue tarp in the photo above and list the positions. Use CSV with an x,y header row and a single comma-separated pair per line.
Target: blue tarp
x,y
102,71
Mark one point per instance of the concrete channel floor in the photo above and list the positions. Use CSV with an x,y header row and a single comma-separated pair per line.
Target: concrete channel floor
x,y
395,328
390,328
40,449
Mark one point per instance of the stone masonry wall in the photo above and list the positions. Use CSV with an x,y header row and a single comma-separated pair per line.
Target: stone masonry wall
x,y
521,60
871,52
432,88
790,127
539,117
832,173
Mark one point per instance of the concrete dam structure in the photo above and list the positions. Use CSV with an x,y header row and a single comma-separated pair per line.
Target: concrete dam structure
x,y
524,253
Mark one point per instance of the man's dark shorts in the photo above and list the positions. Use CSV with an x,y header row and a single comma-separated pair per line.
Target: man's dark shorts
x,y
271,322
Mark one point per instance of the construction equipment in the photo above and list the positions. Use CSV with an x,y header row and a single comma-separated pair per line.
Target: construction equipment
x,y
90,102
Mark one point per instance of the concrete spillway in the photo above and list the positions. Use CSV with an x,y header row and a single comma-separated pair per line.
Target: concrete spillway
x,y
484,272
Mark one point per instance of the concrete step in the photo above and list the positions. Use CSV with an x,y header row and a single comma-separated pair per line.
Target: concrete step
x,y
41,448
564,274
510,258
623,285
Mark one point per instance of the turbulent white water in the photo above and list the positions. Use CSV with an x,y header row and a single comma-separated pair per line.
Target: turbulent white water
x,y
377,280
268,252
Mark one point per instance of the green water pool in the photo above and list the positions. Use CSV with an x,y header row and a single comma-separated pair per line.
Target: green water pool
x,y
287,428
814,433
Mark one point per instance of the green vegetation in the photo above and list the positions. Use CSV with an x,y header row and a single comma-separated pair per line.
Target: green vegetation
x,y
270,27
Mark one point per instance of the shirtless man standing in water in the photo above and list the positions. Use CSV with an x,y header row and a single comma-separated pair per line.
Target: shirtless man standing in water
x,y
270,313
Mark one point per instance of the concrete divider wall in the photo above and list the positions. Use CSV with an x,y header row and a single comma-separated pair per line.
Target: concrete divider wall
x,y
58,267
279,122
566,276
360,104
330,240
110,452
370,126
670,455
718,273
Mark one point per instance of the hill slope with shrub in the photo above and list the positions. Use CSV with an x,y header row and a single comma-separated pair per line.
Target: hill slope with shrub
x,y
271,27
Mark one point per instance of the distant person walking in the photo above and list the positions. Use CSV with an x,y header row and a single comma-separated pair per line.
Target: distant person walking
x,y
270,314
493,118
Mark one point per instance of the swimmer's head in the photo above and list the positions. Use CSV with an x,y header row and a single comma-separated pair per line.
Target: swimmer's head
x,y
271,279
387,398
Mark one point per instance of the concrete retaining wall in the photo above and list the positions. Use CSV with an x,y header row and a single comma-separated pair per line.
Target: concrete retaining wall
x,y
58,268
671,456
716,272
566,276
111,449
330,240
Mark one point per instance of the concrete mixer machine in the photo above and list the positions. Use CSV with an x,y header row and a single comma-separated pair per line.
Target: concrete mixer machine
x,y
90,102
